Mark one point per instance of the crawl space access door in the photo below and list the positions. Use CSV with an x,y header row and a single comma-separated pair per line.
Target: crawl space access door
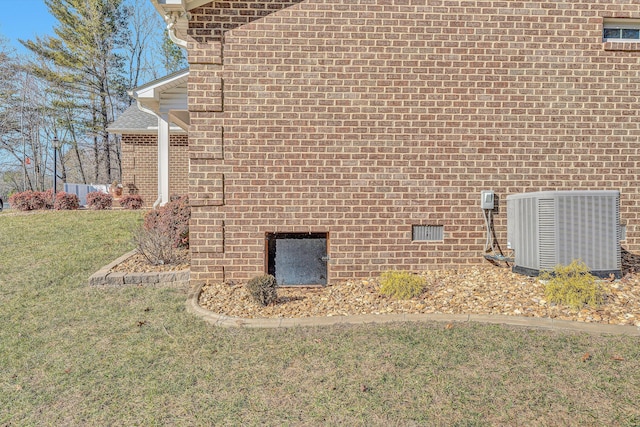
x,y
297,258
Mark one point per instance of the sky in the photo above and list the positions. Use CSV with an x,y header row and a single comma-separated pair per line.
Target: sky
x,y
24,19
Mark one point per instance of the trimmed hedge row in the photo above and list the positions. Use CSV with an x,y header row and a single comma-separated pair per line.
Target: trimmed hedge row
x,y
32,200
39,200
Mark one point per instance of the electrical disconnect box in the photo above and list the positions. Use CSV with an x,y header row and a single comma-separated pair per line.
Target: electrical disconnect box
x,y
487,199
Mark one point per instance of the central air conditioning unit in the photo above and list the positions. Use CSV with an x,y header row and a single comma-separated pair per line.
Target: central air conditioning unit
x,y
548,228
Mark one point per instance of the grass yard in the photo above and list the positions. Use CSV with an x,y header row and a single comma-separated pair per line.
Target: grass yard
x,y
75,355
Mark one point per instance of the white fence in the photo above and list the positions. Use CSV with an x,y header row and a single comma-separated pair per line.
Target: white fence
x,y
81,190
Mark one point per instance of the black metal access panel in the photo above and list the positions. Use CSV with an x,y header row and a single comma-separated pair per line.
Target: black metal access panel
x,y
297,258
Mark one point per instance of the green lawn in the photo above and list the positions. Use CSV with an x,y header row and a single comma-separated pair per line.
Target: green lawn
x,y
75,355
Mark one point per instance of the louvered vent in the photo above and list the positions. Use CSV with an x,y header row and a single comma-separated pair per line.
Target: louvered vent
x,y
547,243
427,233
555,227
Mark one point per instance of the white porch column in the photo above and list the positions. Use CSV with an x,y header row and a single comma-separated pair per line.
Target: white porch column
x,y
163,158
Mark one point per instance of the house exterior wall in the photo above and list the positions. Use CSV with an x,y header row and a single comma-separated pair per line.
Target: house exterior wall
x,y
363,119
140,165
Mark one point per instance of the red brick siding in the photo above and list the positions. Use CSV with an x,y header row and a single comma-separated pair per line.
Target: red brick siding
x,y
363,119
210,21
140,165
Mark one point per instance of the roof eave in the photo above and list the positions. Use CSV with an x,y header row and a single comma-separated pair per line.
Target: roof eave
x,y
164,6
149,131
151,91
176,14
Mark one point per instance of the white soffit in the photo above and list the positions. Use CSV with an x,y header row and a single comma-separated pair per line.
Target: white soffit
x,y
180,5
181,118
170,90
192,4
180,8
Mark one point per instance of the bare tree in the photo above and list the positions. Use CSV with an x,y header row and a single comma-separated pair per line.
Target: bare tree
x,y
73,85
141,37
82,59
21,123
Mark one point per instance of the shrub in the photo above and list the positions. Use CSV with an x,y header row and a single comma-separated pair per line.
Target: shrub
x,y
99,201
32,200
39,200
163,230
45,199
66,201
131,201
156,246
171,219
263,289
20,201
401,284
572,285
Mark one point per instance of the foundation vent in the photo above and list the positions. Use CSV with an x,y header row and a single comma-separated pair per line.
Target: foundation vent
x,y
422,233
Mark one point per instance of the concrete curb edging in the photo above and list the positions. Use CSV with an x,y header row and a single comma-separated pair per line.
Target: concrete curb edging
x,y
103,276
528,322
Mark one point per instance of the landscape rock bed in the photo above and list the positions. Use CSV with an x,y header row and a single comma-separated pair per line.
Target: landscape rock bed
x,y
474,290
136,262
133,269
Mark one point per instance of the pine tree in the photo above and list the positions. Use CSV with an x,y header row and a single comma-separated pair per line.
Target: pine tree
x,y
82,62
172,55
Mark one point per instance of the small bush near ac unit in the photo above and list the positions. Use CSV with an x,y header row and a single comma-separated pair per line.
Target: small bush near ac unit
x,y
401,284
572,285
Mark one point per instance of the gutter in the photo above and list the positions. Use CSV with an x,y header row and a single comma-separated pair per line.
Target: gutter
x,y
171,19
173,11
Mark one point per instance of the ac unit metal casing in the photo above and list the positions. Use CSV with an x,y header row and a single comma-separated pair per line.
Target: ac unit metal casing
x,y
548,228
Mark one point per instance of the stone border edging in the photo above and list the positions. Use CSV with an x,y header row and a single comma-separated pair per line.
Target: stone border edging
x,y
104,277
529,322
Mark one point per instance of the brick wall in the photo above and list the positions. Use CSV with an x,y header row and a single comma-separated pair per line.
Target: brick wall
x,y
363,119
140,165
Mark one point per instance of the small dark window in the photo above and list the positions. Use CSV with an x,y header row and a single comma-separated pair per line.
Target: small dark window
x,y
612,33
630,33
427,233
621,30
